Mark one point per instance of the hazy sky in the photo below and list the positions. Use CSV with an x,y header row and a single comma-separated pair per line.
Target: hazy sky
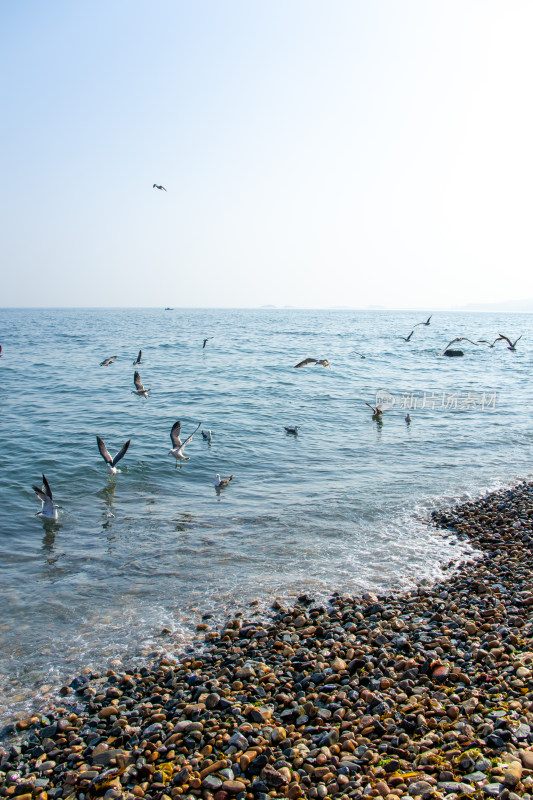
x,y
315,153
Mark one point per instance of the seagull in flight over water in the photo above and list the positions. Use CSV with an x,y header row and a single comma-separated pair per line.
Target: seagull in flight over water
x,y
107,361
423,323
155,186
138,359
512,345
112,462
49,508
139,388
406,338
459,339
177,444
207,435
206,341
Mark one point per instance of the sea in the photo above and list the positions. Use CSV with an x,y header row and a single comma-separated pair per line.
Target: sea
x,y
135,564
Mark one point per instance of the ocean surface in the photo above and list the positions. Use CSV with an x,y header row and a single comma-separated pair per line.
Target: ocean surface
x,y
134,564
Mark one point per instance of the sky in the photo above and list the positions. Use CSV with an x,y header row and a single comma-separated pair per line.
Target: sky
x,y
315,154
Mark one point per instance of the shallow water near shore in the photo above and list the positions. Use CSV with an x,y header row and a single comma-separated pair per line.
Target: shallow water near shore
x,y
343,506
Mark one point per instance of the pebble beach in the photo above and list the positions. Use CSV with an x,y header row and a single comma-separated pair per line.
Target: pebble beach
x,y
425,693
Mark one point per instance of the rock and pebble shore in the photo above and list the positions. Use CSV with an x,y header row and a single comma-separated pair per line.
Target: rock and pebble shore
x,y
425,694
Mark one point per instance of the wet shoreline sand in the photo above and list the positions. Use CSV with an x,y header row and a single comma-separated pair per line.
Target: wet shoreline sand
x,y
427,693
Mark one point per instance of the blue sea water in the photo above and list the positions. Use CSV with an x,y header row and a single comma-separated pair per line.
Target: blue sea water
x,y
342,506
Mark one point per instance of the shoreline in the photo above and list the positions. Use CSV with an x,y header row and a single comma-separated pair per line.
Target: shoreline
x,y
424,693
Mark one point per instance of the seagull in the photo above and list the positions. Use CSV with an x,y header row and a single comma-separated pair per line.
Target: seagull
x,y
207,435
406,338
512,345
107,361
139,388
306,361
358,354
484,341
138,359
459,339
423,323
49,508
408,418
112,462
292,429
178,445
323,363
377,412
155,186
221,483
206,341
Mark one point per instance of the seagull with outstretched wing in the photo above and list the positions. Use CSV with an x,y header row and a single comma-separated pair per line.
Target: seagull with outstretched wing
x,y
155,186
48,508
306,361
459,339
512,345
139,390
107,361
138,359
177,445
112,462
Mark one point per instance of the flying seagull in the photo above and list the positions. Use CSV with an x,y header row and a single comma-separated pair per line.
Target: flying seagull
x,y
358,354
207,435
139,388
107,361
138,359
377,411
221,483
406,338
423,323
49,508
112,462
306,361
177,444
323,362
155,186
490,344
206,341
512,345
292,429
459,339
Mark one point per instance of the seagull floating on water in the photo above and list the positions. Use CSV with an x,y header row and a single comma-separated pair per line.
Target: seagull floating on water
x,y
221,483
138,359
107,361
423,323
155,186
512,345
49,508
408,418
177,444
112,462
139,388
207,340
292,429
208,435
